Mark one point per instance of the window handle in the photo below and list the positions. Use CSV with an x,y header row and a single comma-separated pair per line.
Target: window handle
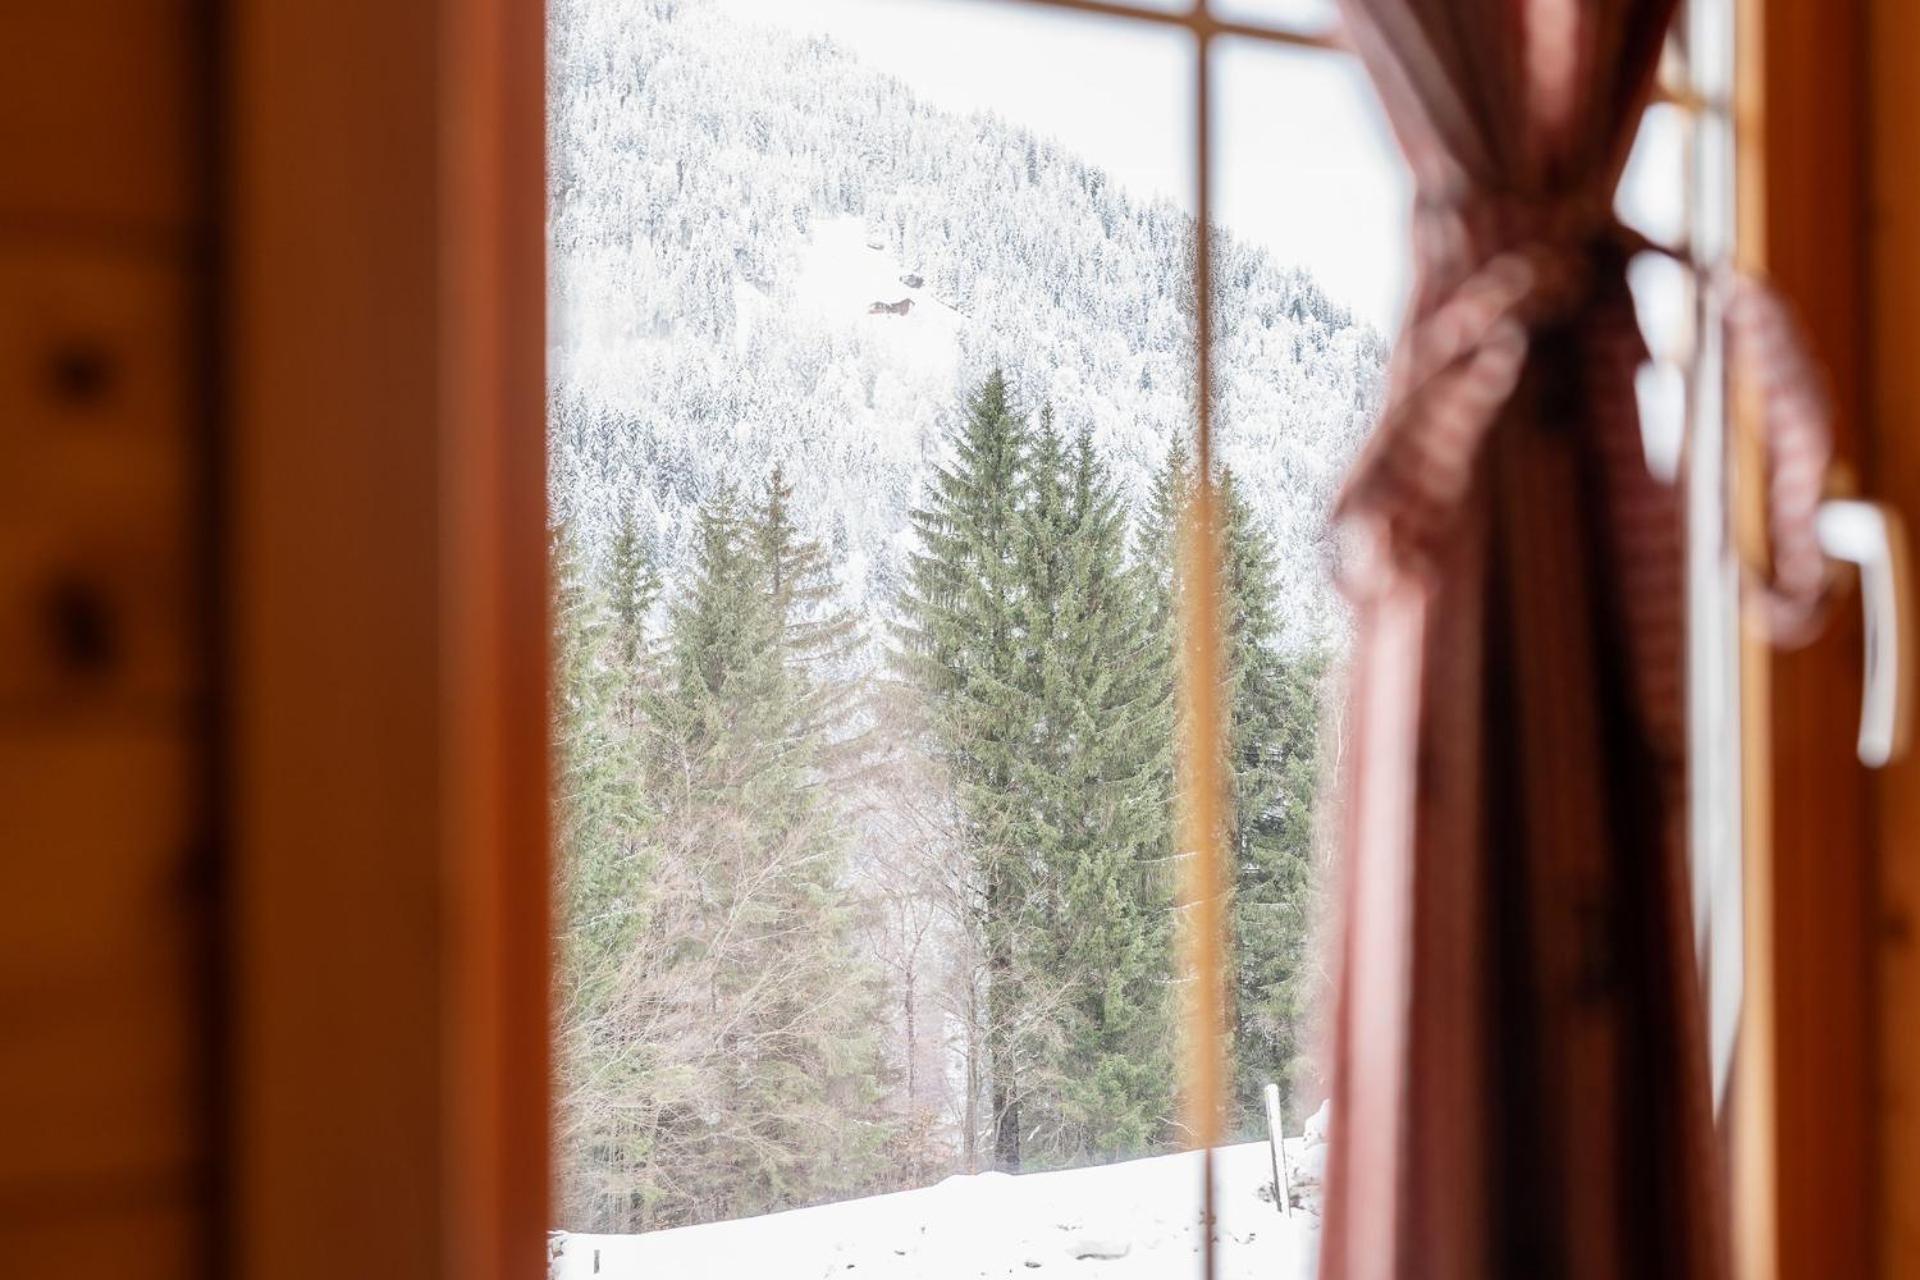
x,y
1872,537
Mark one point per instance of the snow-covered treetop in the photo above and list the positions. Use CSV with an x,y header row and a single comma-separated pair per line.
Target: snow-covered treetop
x,y
727,204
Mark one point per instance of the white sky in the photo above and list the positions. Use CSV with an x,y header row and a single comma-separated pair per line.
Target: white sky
x,y
1303,162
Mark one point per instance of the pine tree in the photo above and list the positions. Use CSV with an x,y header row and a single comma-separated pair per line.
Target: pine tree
x,y
633,585
1272,768
781,1074
961,643
605,870
1273,737
1093,830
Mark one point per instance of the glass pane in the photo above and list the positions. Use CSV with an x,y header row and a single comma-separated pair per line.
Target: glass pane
x,y
1313,202
1307,172
1678,190
1312,272
1308,16
1653,192
864,814
1713,570
1653,199
872,387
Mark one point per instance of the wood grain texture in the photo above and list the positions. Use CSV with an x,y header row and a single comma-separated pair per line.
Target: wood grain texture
x,y
1893,474
389,629
1801,222
106,900
102,133
98,467
101,933
163,1235
334,569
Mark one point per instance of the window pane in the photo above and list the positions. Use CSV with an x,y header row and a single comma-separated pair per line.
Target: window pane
x,y
871,408
1312,267
1291,15
1653,194
1678,190
1653,199
1306,171
1312,270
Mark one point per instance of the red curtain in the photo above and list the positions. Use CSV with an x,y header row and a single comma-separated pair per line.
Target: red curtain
x,y
1520,1084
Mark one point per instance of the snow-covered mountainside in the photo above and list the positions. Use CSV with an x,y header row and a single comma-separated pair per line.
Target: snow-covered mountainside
x,y
730,203
1136,1220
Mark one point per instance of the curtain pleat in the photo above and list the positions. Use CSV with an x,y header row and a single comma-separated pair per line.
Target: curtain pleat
x,y
1519,1070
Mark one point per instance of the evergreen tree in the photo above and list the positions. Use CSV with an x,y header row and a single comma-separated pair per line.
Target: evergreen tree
x,y
1273,779
962,644
1272,771
782,1078
816,636
1035,643
1092,829
633,585
605,867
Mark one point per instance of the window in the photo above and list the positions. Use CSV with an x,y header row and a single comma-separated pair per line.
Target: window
x,y
876,349
1679,191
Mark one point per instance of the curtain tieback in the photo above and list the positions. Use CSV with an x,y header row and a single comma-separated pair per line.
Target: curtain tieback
x,y
1459,365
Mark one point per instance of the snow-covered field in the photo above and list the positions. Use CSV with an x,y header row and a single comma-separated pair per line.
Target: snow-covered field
x,y
1137,1220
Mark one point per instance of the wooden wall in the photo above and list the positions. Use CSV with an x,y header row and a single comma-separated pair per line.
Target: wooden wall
x,y
273,883
107,921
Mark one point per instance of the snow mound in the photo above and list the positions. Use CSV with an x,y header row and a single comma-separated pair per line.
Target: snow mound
x,y
1135,1220
842,277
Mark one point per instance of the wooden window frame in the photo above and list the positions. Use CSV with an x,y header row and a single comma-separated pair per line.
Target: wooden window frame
x,y
1832,1159
386,634
383,502
1890,35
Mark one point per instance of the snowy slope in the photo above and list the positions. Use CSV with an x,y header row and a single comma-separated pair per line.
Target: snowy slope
x,y
727,203
1137,1220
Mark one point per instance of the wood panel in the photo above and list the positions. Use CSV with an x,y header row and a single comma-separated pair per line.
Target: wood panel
x,y
103,131
106,898
99,987
1893,243
99,468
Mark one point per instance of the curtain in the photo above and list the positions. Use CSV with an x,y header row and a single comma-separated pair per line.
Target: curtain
x,y
1519,1068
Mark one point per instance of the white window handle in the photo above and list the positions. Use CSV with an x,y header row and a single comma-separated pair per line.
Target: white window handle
x,y
1872,536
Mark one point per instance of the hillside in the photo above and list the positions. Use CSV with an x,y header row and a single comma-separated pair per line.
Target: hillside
x,y
728,203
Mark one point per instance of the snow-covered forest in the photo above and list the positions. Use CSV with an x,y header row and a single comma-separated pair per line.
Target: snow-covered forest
x,y
866,717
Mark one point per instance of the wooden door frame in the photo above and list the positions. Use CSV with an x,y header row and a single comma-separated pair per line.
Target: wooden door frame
x,y
1892,244
1803,1147
386,630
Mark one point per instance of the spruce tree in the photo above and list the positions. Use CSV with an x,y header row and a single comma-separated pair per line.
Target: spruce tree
x,y
961,643
633,585
1093,830
1272,772
605,866
1273,736
821,1076
780,1104
816,636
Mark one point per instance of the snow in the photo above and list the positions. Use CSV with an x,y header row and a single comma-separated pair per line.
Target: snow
x,y
717,188
1135,1220
841,276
